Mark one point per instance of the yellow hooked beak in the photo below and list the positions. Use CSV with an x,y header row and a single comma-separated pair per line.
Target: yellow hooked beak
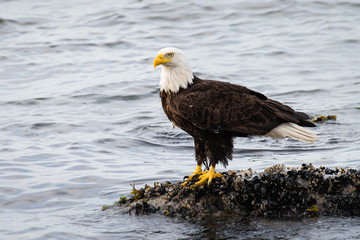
x,y
160,60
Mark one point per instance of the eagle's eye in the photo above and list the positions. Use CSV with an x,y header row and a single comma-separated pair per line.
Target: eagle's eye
x,y
170,55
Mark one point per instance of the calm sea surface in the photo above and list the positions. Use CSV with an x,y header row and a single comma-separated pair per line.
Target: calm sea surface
x,y
81,118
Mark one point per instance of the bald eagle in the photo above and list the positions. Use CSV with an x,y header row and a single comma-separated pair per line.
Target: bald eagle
x,y
214,112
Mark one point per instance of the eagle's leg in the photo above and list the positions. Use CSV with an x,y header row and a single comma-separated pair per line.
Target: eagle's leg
x,y
200,156
208,175
216,153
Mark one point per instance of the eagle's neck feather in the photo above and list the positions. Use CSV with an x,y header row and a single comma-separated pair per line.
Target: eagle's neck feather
x,y
175,77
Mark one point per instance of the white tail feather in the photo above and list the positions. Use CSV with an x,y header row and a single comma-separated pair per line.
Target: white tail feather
x,y
294,131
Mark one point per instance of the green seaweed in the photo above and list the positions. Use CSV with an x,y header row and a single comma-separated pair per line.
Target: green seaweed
x,y
321,119
105,207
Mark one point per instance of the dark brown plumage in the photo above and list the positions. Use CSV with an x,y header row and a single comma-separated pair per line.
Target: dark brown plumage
x,y
214,112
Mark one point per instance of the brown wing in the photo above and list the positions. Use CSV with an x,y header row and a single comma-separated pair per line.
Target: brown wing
x,y
219,106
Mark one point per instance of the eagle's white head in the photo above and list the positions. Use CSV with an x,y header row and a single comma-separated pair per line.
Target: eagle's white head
x,y
176,71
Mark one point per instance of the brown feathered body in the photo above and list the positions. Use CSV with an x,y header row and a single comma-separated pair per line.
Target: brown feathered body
x,y
215,112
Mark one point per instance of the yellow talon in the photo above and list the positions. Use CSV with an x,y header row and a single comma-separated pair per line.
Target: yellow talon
x,y
314,208
208,175
196,172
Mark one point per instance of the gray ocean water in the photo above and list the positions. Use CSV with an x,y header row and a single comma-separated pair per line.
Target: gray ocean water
x,y
81,118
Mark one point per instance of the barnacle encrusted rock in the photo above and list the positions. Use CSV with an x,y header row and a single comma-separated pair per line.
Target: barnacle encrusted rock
x,y
277,192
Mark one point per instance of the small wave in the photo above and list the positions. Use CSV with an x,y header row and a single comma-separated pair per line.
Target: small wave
x,y
299,92
42,125
117,43
150,142
279,53
86,96
109,44
109,19
5,21
105,140
351,41
101,98
25,21
27,102
131,97
354,4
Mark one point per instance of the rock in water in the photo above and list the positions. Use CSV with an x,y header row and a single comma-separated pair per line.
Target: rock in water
x,y
276,192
